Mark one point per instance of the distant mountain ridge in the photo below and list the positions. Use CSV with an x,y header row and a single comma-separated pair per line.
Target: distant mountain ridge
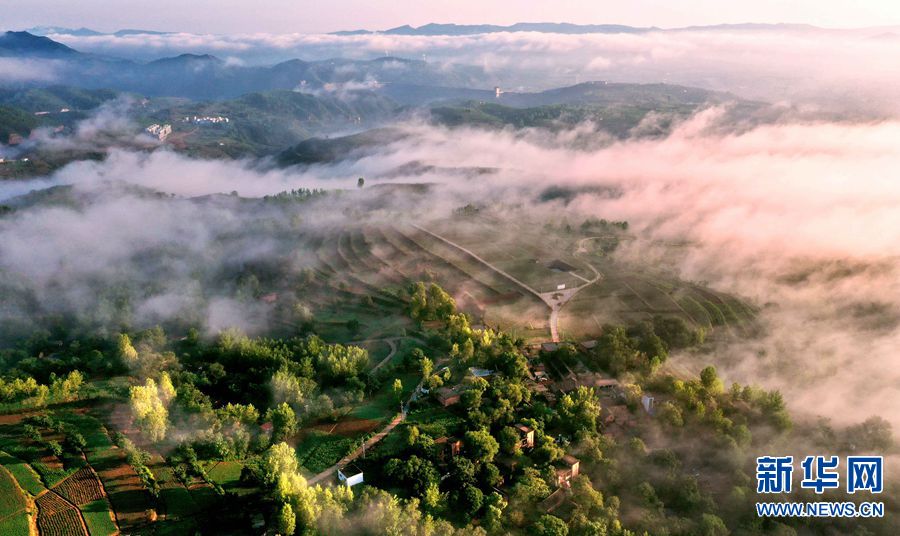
x,y
434,29
87,32
204,76
28,45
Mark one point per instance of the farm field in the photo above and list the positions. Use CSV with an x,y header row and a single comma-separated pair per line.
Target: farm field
x,y
12,500
58,517
23,473
98,518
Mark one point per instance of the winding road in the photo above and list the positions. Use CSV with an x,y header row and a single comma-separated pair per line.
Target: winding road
x,y
554,299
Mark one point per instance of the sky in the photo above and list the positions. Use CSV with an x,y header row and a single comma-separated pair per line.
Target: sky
x,y
303,16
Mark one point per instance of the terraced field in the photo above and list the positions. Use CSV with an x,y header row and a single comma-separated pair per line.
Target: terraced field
x,y
58,517
358,273
13,504
23,473
80,488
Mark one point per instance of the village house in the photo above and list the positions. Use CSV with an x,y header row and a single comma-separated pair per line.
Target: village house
x,y
568,471
549,346
450,447
526,436
447,396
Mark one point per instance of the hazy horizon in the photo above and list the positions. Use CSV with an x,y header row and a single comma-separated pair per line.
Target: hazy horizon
x,y
283,16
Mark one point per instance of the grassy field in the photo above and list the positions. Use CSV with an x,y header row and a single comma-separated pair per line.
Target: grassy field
x,y
228,475
383,405
23,473
13,516
98,519
11,498
16,525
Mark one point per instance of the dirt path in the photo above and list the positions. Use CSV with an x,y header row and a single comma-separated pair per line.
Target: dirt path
x,y
555,300
391,341
368,444
358,452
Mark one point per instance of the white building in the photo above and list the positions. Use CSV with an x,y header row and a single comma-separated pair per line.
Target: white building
x,y
160,132
350,476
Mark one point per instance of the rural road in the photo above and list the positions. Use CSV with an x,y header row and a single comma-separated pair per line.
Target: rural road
x,y
369,443
553,299
391,341
358,452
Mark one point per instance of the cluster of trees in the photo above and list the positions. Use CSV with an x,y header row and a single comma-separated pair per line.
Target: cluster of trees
x,y
603,224
74,442
644,346
150,406
304,509
27,392
430,303
297,194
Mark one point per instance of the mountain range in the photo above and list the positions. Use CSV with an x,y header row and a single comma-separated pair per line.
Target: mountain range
x,y
434,29
208,77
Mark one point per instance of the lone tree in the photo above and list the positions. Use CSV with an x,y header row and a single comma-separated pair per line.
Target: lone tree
x,y
398,391
360,182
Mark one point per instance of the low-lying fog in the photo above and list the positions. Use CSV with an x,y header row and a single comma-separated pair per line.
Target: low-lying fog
x,y
801,219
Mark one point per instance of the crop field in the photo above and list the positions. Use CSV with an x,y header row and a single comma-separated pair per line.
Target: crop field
x,y
58,517
127,495
359,272
81,488
318,451
23,473
12,500
348,426
15,525
51,469
98,518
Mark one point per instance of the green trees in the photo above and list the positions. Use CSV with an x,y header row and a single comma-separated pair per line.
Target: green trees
x,y
150,410
642,347
284,421
481,445
414,473
614,350
287,520
550,525
580,409
508,438
470,499
127,352
397,390
676,332
872,435
291,389
431,303
17,390
531,487
336,361
279,460
710,380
